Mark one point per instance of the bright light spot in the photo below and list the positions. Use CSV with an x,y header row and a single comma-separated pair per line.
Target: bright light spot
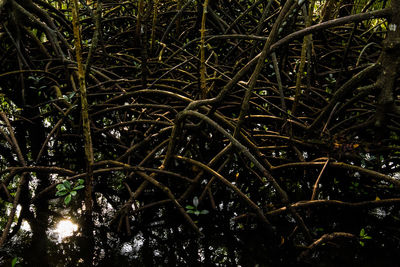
x,y
392,27
126,248
25,226
65,228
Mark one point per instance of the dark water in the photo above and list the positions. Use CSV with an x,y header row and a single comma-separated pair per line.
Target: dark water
x,y
158,238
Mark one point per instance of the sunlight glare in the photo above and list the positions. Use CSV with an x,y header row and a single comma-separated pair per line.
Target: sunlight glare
x,y
65,228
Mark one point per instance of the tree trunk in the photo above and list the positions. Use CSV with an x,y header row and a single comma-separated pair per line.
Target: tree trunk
x,y
390,62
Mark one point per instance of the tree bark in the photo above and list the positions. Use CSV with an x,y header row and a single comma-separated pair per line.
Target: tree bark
x,y
390,62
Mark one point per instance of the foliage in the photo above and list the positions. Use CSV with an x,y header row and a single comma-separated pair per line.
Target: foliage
x,y
66,189
363,236
14,262
194,210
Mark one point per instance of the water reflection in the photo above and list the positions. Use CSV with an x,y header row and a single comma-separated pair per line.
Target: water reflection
x,y
25,226
65,228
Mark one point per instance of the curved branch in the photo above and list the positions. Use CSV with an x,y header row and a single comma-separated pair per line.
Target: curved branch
x,y
383,13
341,165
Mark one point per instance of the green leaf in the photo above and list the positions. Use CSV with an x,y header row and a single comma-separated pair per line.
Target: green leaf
x,y
67,199
81,181
367,237
362,232
67,185
197,213
190,211
189,207
61,193
73,193
14,261
78,187
60,187
71,95
196,201
204,212
396,218
362,243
